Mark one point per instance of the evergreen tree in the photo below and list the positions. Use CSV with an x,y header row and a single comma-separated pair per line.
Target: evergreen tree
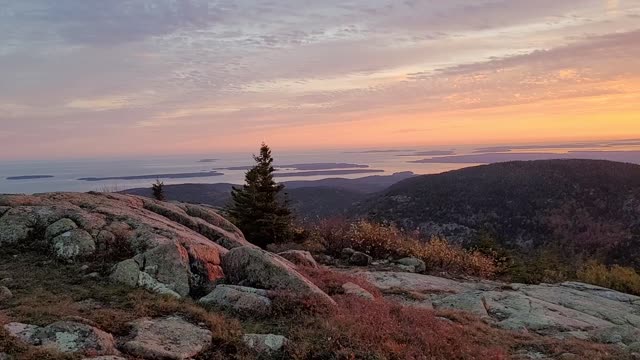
x,y
158,190
258,208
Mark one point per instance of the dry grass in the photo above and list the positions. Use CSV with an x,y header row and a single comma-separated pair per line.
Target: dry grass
x,y
624,279
382,241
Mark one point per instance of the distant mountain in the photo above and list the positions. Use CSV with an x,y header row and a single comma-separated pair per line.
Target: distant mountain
x,y
309,198
588,207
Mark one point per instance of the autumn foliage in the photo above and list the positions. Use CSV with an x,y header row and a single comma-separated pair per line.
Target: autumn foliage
x,y
382,241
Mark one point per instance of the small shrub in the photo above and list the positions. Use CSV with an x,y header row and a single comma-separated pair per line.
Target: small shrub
x,y
617,277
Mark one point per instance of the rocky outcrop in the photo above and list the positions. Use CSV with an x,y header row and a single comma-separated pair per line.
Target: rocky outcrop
x,y
562,310
300,258
175,248
171,338
250,266
239,299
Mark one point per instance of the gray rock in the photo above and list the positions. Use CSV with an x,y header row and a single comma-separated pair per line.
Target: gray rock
x,y
265,343
418,265
250,266
619,334
300,258
146,281
74,337
169,265
126,272
346,253
59,227
469,301
355,290
23,332
166,338
5,293
568,310
16,225
360,259
4,356
108,357
240,299
72,244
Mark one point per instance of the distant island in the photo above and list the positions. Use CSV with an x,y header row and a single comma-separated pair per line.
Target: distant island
x,y
207,160
29,177
327,172
306,167
156,176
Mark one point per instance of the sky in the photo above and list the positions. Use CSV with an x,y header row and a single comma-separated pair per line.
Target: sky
x,y
85,78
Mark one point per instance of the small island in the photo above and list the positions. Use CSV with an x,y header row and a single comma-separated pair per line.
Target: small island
x,y
327,172
306,166
207,160
29,177
156,176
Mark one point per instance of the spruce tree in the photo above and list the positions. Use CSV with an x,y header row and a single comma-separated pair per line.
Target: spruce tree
x,y
258,207
158,190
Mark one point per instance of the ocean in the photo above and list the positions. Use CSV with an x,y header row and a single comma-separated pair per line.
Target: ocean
x,y
66,175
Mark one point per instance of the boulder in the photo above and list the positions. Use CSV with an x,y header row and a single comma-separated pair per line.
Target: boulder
x,y
74,337
72,244
355,290
23,332
169,265
240,299
415,264
346,253
265,343
148,282
171,338
300,258
360,259
5,293
60,227
126,272
250,266
16,225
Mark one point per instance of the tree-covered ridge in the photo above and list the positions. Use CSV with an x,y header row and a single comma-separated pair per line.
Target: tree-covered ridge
x,y
573,208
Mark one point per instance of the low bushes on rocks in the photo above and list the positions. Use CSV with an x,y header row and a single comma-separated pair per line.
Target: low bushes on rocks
x,y
239,299
250,266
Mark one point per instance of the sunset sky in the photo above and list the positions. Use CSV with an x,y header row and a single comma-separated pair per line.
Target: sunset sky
x,y
122,77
